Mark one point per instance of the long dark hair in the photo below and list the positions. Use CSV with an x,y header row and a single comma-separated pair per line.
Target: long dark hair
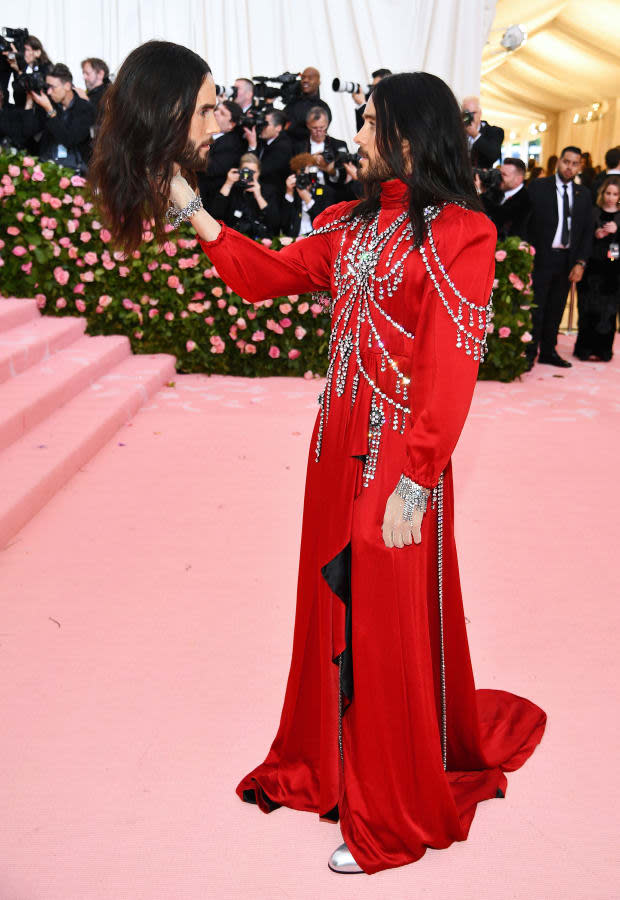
x,y
421,109
35,44
144,130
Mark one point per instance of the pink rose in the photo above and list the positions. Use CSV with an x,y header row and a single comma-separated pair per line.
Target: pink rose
x,y
123,271
490,328
266,241
14,171
208,319
293,298
47,234
45,197
153,313
27,268
500,255
9,190
55,202
303,308
145,275
516,281
221,303
526,337
61,275
41,300
28,161
104,234
166,267
241,323
320,332
285,241
315,309
504,331
153,265
285,308
87,276
90,258
109,264
258,336
274,352
232,310
217,291
13,230
38,175
61,303
217,344
64,182
80,305
127,303
285,323
78,200
78,181
532,251
294,354
169,316
72,226
190,345
105,300
170,248
249,348
20,251
85,237
79,288
300,332
308,374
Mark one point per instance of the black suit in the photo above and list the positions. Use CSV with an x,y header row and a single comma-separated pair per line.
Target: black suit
x,y
511,217
69,128
274,160
239,210
224,154
336,147
552,267
290,219
488,147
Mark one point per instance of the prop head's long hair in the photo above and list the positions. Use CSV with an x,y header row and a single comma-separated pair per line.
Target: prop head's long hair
x,y
144,130
421,110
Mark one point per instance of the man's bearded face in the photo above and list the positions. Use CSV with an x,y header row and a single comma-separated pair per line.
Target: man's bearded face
x,y
373,168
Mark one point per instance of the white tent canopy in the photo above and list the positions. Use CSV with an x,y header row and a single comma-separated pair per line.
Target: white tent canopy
x,y
568,69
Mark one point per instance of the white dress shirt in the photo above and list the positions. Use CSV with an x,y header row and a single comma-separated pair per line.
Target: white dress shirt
x,y
559,190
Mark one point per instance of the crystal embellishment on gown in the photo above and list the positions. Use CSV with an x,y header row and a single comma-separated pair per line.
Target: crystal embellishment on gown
x,y
366,276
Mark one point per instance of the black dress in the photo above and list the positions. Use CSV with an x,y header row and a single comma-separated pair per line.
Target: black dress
x,y
599,295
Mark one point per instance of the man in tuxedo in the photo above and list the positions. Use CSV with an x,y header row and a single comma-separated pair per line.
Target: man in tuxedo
x,y
244,93
612,167
325,150
560,229
225,151
273,148
296,112
510,216
484,140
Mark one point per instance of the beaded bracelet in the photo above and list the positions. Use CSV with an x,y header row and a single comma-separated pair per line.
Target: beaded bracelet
x,y
175,216
414,495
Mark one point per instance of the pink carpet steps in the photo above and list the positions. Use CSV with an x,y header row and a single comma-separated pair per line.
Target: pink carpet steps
x,y
63,395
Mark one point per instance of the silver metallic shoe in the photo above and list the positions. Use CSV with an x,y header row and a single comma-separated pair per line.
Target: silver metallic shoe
x,y
342,861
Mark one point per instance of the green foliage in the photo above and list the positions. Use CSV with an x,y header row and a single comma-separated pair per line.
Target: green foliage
x,y
171,299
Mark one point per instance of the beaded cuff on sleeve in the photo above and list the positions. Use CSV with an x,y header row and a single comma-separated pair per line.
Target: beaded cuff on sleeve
x,y
414,495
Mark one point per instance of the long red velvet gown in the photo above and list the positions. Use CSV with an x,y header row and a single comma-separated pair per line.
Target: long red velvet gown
x,y
388,786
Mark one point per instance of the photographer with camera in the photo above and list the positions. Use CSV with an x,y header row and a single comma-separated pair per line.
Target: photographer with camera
x,y
29,63
359,97
64,119
225,151
96,76
484,140
510,212
246,205
273,148
296,112
11,125
305,196
325,149
243,93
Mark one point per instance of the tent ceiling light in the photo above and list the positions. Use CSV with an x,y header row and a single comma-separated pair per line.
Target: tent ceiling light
x,y
513,38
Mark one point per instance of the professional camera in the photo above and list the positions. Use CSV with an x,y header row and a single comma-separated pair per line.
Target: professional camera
x,y
222,91
32,81
289,87
251,227
468,117
307,180
349,87
16,36
246,176
344,157
328,155
255,117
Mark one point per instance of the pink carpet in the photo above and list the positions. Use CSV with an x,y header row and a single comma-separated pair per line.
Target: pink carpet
x,y
145,637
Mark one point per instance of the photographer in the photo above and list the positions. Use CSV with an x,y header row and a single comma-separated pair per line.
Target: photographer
x,y
484,140
511,212
324,149
360,98
305,196
11,125
225,151
297,111
243,93
244,204
273,148
97,80
63,117
33,61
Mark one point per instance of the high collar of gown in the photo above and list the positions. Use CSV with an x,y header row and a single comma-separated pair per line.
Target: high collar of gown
x,y
394,194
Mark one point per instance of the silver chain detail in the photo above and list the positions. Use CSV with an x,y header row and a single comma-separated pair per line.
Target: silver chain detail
x,y
414,495
174,215
442,659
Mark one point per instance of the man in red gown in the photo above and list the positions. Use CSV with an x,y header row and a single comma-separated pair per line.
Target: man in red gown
x,y
382,727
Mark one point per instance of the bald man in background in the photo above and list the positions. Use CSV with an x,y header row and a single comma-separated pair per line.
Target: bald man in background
x,y
484,140
297,111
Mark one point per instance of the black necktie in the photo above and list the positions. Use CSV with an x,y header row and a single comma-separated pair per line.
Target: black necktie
x,y
565,215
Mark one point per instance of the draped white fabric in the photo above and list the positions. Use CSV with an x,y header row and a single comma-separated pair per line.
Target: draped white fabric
x,y
345,38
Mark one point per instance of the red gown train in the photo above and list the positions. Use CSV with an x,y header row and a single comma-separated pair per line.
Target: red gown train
x,y
383,777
